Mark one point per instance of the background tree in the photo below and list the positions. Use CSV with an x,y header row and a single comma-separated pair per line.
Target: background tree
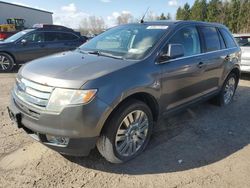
x,y
244,16
179,14
124,18
168,17
235,14
186,12
213,11
199,10
162,17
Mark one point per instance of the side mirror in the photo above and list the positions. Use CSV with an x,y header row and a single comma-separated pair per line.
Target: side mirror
x,y
24,41
174,51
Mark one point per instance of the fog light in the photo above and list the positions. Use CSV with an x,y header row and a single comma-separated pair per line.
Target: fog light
x,y
62,141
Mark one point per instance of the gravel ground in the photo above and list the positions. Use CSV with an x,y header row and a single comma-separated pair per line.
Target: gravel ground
x,y
205,146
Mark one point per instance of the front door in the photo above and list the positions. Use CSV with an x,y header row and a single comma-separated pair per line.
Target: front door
x,y
182,78
33,47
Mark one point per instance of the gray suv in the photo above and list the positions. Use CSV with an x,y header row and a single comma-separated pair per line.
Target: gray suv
x,y
111,91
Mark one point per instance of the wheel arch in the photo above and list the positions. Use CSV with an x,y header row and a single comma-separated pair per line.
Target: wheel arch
x,y
236,71
10,54
145,97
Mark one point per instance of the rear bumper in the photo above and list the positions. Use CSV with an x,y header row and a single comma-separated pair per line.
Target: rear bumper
x,y
78,124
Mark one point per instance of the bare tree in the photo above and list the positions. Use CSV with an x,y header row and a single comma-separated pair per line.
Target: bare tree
x,y
96,24
84,27
151,16
92,25
124,18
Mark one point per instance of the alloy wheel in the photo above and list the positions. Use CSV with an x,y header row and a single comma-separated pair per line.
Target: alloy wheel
x,y
229,90
132,133
4,63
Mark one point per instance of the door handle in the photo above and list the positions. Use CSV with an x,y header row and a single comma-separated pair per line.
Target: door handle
x,y
200,65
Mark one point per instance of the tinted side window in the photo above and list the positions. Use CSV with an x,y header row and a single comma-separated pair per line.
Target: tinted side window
x,y
68,36
58,36
228,38
212,41
35,37
52,36
189,38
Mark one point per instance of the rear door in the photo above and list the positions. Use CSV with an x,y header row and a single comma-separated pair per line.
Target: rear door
x,y
61,41
212,59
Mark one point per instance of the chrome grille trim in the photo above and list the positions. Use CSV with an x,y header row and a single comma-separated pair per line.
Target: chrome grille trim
x,y
37,94
36,86
33,93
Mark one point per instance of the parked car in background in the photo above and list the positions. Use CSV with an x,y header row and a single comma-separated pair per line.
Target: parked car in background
x,y
112,90
41,40
244,43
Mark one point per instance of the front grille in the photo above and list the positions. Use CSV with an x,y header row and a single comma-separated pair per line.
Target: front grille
x,y
32,93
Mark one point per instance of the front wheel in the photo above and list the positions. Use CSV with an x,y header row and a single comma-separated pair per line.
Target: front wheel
x,y
127,133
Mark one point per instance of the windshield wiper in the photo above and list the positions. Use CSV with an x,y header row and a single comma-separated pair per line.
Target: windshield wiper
x,y
105,54
81,51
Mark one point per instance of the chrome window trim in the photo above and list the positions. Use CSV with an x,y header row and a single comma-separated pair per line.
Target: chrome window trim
x,y
200,54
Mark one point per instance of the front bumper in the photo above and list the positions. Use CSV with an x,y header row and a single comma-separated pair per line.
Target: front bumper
x,y
80,124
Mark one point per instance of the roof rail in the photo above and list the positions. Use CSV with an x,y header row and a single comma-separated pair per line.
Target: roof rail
x,y
53,27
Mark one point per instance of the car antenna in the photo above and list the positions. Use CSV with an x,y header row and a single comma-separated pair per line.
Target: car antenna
x,y
142,19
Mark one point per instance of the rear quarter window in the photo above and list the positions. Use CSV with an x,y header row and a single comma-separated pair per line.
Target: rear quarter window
x,y
230,43
211,38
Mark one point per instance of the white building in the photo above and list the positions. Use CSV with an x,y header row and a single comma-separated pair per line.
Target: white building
x,y
30,15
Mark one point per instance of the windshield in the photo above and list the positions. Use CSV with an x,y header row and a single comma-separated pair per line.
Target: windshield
x,y
127,42
18,35
243,41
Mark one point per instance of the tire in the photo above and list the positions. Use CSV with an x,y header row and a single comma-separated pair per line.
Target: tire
x,y
221,99
119,148
6,62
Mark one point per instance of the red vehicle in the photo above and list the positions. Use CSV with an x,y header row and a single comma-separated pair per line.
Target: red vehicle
x,y
5,35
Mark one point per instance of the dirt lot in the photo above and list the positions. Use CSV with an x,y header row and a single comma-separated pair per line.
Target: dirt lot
x,y
205,146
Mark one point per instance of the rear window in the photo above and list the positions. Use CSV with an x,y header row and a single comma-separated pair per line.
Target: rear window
x,y
228,38
212,41
243,41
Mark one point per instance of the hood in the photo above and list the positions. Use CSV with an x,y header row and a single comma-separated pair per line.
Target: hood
x,y
4,44
70,69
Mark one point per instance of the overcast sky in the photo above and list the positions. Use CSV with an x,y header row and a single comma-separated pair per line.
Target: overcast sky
x,y
70,12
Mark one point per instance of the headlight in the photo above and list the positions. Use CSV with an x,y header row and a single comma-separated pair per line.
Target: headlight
x,y
63,97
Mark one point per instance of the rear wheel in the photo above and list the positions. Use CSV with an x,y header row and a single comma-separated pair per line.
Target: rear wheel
x,y
226,95
127,133
6,62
